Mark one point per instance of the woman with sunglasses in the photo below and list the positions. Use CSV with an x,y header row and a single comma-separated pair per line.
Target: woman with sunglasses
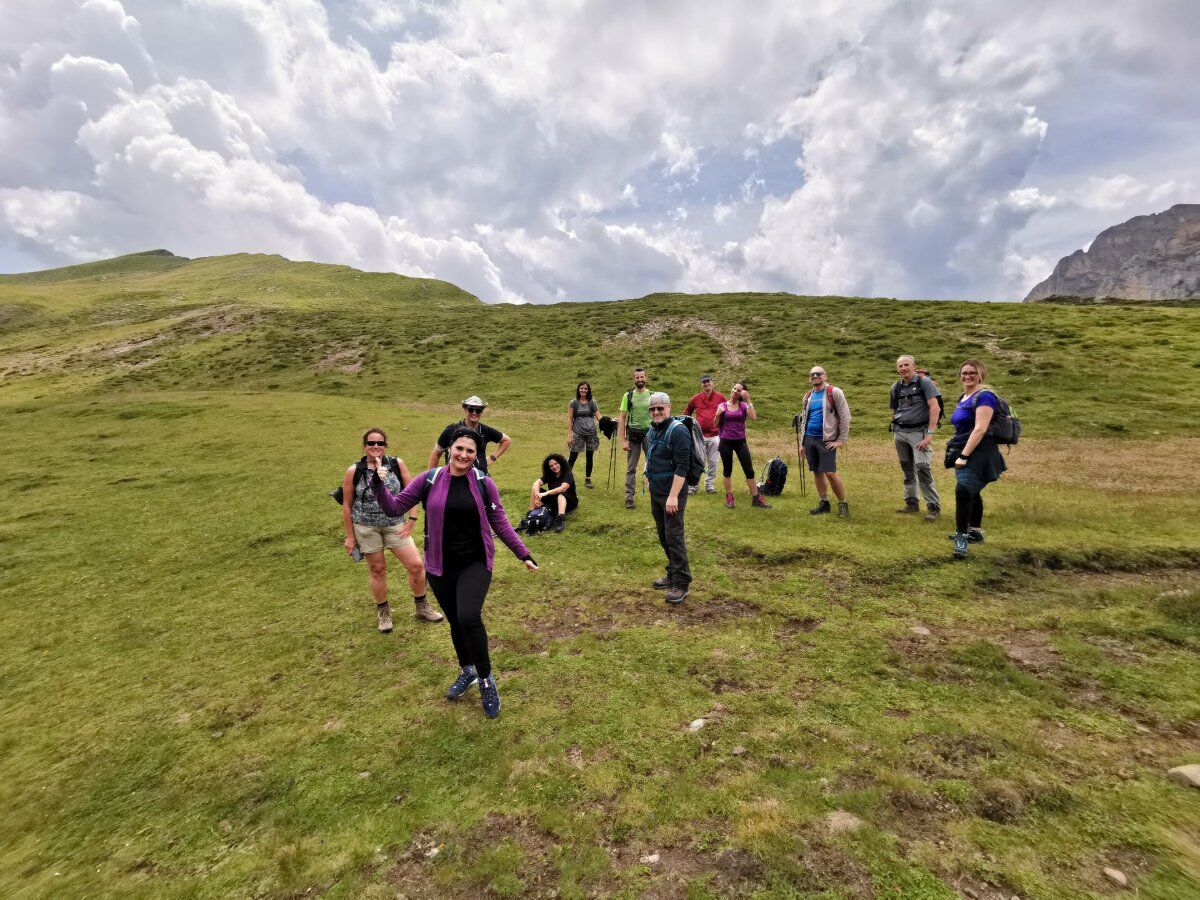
x,y
732,416
373,531
582,416
462,509
973,454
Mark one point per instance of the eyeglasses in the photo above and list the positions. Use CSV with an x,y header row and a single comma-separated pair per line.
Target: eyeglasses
x,y
968,375
656,408
815,374
475,409
374,443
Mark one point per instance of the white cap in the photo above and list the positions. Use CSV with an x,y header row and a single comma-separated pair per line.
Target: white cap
x,y
473,401
658,398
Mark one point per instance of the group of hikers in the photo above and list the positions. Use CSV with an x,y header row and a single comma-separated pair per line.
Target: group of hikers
x,y
463,508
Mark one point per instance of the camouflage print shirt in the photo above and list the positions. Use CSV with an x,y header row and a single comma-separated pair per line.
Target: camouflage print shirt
x,y
366,511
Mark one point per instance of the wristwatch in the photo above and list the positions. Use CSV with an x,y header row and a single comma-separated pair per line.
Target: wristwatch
x,y
492,457
412,518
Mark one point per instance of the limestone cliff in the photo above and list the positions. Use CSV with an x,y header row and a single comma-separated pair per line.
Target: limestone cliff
x,y
1149,258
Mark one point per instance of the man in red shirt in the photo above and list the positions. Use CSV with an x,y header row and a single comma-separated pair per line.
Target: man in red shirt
x,y
704,407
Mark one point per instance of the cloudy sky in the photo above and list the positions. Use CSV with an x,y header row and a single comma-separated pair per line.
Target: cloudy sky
x,y
542,150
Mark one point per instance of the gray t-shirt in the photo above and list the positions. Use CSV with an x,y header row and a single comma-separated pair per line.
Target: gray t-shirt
x,y
366,511
911,400
584,423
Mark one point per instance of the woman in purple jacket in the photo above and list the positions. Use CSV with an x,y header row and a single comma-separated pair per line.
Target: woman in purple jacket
x,y
462,508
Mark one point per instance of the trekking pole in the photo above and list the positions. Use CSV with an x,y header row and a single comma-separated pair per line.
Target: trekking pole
x,y
612,461
800,462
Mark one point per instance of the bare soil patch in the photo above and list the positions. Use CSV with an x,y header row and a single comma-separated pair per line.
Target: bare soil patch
x,y
735,342
342,358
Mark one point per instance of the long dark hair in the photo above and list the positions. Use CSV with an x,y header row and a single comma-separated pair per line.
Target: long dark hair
x,y
564,468
580,385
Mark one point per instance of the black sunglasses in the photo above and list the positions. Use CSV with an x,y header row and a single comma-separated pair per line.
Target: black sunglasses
x,y
815,374
656,408
374,443
474,409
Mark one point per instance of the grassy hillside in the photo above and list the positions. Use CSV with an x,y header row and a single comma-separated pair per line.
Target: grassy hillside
x,y
193,700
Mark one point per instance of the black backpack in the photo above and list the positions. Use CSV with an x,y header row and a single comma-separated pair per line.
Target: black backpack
x,y
696,467
941,405
1005,428
774,478
360,472
536,520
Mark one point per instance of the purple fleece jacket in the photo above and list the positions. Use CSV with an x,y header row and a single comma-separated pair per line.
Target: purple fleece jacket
x,y
491,515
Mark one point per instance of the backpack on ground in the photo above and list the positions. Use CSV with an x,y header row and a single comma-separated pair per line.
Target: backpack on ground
x,y
1005,427
536,520
696,467
941,405
360,472
774,478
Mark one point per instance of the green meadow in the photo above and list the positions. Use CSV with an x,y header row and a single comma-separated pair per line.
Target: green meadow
x,y
194,700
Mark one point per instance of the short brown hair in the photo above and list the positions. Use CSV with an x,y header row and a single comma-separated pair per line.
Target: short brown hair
x,y
371,431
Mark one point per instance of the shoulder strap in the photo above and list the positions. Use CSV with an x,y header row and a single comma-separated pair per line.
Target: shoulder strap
x,y
629,401
431,476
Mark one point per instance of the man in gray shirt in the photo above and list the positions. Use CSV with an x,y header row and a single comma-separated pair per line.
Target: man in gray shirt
x,y
915,403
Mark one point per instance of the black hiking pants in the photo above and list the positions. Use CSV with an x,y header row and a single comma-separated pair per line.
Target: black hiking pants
x,y
460,592
670,536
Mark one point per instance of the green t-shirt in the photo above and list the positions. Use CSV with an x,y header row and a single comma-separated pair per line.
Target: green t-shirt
x,y
639,416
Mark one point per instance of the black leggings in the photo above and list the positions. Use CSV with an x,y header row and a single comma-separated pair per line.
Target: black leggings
x,y
968,509
575,455
727,448
460,592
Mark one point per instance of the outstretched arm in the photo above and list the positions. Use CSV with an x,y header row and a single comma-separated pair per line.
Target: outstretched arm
x,y
398,504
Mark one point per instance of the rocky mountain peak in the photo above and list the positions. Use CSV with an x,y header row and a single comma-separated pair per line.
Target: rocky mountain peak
x,y
1148,258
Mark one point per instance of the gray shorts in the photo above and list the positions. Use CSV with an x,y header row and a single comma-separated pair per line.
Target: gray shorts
x,y
819,458
581,442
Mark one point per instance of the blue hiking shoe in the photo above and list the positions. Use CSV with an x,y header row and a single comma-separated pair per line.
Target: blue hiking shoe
x,y
465,679
961,544
490,697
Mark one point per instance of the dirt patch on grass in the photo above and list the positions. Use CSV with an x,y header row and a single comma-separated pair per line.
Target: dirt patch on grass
x,y
827,868
735,342
671,871
950,756
342,358
805,625
1031,651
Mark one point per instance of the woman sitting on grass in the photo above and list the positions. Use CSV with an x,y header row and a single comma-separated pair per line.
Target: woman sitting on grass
x,y
462,508
973,454
732,416
374,532
555,490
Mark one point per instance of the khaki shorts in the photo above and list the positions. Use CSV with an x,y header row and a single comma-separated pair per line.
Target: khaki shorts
x,y
372,539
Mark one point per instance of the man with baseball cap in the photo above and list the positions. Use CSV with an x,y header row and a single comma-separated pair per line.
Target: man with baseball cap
x,y
704,407
668,457
473,408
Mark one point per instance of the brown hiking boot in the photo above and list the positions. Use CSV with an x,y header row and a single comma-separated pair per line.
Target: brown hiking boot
x,y
426,612
385,617
935,513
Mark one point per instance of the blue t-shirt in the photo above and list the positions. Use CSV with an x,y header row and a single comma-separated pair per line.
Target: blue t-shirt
x,y
816,415
963,417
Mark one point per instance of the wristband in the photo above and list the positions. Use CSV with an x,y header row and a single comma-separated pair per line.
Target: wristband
x,y
412,518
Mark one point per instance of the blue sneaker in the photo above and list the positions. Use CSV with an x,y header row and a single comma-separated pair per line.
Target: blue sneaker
x,y
465,679
961,544
491,699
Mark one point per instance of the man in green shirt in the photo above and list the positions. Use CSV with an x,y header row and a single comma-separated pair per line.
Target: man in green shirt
x,y
634,423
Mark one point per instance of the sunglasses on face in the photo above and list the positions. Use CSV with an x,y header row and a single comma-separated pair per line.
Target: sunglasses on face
x,y
815,374
374,443
475,409
656,408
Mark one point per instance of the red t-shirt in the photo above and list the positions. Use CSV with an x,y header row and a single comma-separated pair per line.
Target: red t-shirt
x,y
705,408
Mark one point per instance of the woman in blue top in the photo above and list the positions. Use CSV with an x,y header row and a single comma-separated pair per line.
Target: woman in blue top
x,y
972,453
